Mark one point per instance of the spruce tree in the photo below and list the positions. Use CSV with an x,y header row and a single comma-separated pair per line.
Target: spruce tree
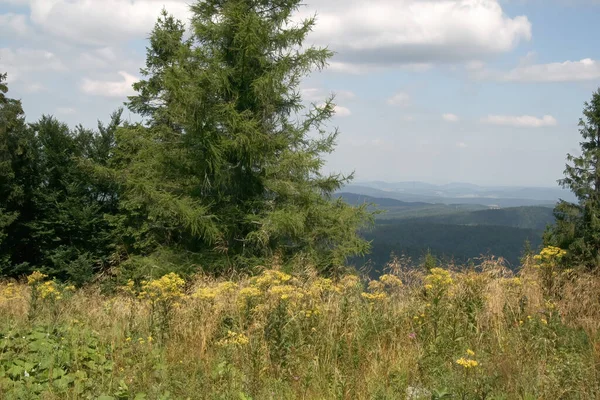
x,y
577,227
227,165
18,176
52,209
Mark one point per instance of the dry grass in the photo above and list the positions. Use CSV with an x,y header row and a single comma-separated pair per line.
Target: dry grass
x,y
277,337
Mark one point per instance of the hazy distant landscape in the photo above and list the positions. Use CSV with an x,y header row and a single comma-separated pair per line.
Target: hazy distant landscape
x,y
456,222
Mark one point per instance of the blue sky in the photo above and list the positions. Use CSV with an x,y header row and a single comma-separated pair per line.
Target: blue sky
x,y
481,91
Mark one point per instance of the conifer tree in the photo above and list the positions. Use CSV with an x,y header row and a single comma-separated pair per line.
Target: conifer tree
x,y
52,210
18,174
227,165
577,227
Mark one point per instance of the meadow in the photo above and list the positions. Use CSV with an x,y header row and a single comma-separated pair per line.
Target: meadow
x,y
481,333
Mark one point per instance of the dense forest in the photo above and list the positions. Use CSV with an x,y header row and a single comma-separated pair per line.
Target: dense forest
x,y
450,244
457,233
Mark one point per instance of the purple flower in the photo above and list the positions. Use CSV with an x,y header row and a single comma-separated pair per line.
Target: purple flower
x,y
412,335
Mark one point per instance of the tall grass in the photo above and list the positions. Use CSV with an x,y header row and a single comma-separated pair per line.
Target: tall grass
x,y
478,334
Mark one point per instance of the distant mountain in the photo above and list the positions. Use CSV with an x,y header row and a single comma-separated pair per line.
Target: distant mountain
x,y
357,199
531,217
395,209
509,197
461,190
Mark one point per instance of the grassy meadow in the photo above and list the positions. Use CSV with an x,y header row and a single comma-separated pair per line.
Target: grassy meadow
x,y
484,333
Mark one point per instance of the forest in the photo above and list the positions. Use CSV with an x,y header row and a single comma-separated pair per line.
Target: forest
x,y
218,176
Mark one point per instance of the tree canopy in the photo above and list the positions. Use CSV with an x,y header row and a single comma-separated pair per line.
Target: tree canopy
x,y
224,171
577,227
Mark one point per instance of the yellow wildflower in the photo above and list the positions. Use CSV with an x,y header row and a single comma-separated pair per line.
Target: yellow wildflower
x,y
390,281
467,362
168,288
374,296
233,339
249,292
49,290
35,278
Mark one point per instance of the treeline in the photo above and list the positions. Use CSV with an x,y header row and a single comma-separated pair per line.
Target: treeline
x,y
54,212
224,172
536,218
458,244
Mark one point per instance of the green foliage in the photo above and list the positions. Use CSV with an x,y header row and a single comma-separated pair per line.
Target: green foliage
x,y
225,171
59,360
452,243
577,227
223,167
52,209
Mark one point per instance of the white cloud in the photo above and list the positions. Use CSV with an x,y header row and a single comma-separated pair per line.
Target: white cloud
x,y
23,60
319,94
344,95
396,32
101,58
450,117
400,99
461,145
120,88
96,22
475,65
582,70
34,87
357,69
65,110
341,111
16,24
312,94
527,121
356,142
365,34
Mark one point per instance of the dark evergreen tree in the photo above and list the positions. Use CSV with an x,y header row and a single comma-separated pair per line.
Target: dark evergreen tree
x,y
19,155
52,209
577,227
226,167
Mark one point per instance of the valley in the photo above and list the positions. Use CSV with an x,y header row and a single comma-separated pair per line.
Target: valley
x,y
457,223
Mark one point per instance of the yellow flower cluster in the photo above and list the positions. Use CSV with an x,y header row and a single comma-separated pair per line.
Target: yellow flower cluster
x,y
286,292
270,278
377,296
550,255
467,362
212,292
380,289
323,286
35,278
390,281
348,283
49,290
512,283
234,339
167,288
249,293
129,288
10,292
438,279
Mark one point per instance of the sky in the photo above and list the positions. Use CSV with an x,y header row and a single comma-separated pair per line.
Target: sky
x,y
481,91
